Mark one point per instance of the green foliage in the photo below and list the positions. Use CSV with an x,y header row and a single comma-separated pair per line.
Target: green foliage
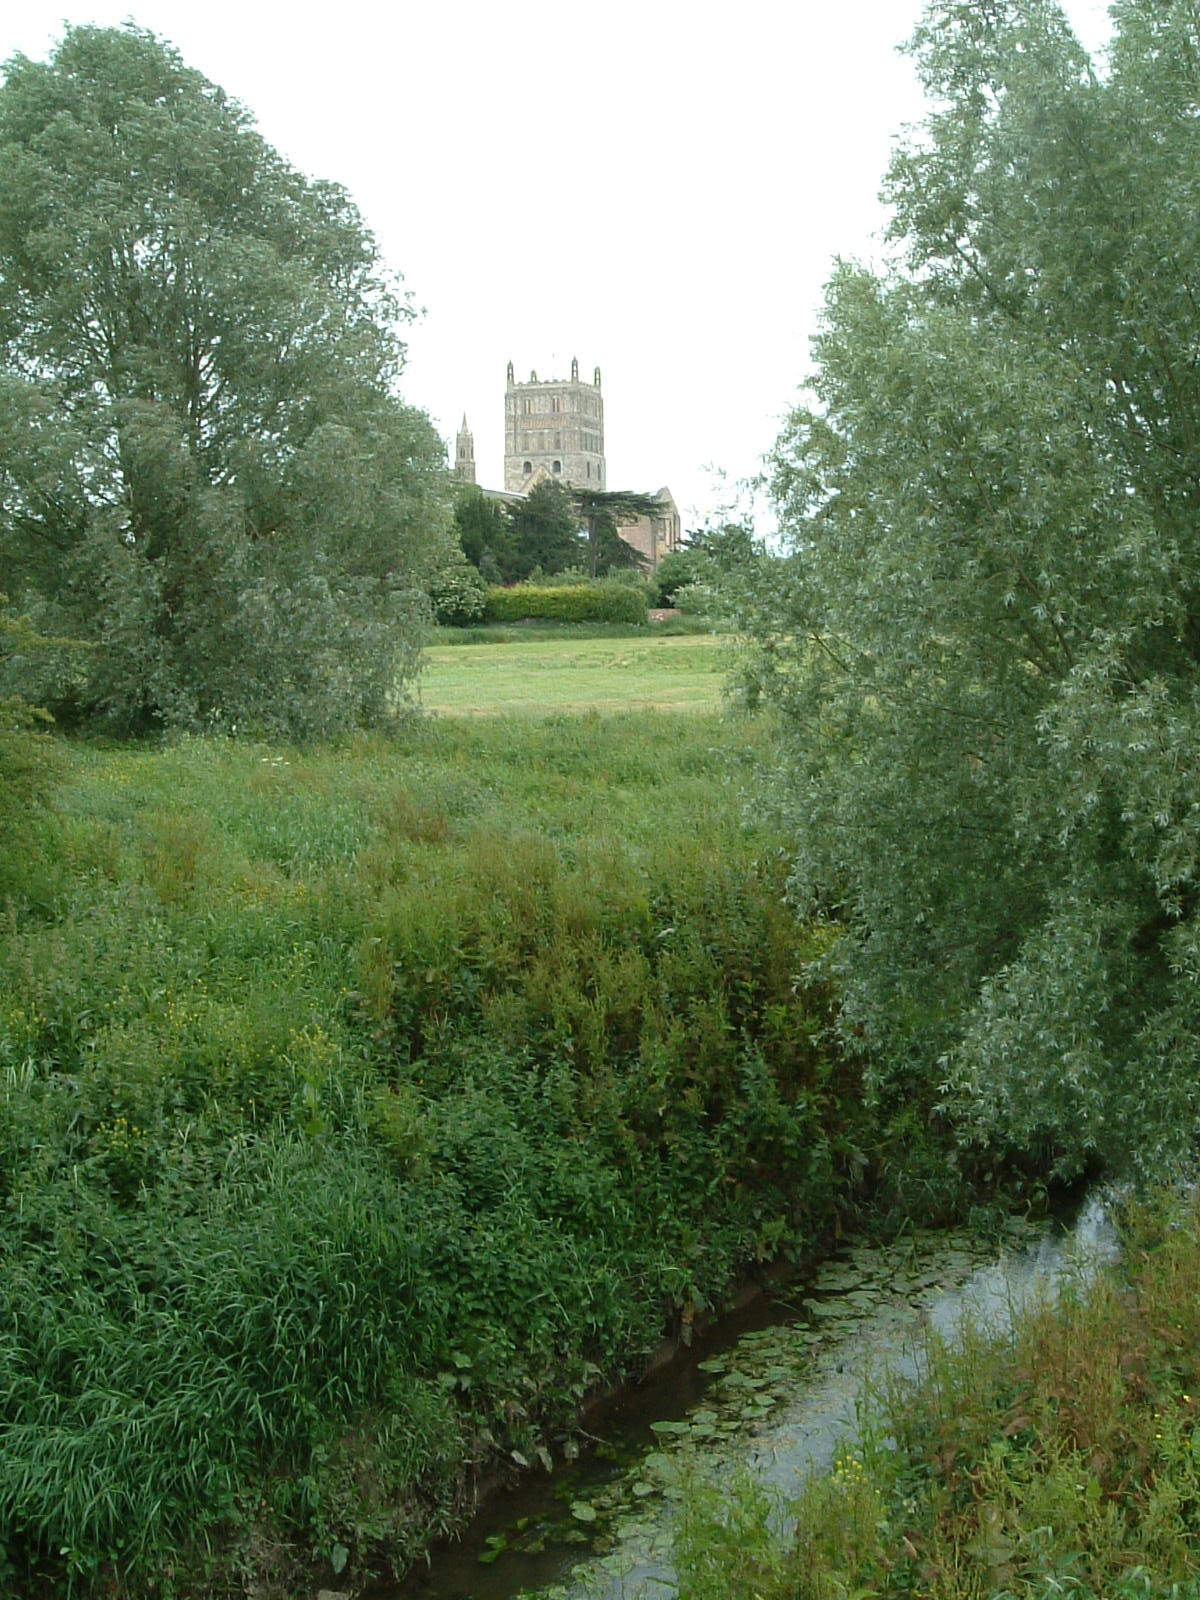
x,y
564,578
207,474
545,531
487,535
602,510
27,769
458,594
717,572
985,638
677,570
726,1546
1060,1457
604,601
358,1108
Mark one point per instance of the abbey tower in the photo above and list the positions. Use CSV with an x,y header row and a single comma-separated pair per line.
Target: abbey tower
x,y
554,429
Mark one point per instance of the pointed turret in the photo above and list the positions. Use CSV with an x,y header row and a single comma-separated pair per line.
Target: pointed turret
x,y
464,453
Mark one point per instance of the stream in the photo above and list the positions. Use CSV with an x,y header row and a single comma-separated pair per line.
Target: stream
x,y
773,1388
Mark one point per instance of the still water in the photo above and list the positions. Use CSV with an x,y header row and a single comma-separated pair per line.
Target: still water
x,y
774,1389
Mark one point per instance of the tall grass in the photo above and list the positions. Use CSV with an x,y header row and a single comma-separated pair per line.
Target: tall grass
x,y
359,1108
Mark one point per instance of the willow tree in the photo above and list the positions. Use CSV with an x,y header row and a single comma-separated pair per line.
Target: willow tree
x,y
986,638
205,468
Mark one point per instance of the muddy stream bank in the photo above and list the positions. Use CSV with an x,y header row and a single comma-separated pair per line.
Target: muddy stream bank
x,y
773,1387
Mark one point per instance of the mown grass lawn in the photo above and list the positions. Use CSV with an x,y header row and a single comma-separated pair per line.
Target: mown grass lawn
x,y
540,676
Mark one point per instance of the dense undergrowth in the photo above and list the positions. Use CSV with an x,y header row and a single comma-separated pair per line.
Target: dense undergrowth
x,y
360,1110
1061,1458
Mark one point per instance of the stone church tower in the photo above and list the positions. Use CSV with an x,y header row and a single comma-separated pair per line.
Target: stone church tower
x,y
464,453
553,429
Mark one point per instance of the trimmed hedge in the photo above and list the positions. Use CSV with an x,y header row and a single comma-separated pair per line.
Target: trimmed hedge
x,y
580,602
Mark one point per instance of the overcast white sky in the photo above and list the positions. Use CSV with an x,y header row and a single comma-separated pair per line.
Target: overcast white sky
x,y
658,188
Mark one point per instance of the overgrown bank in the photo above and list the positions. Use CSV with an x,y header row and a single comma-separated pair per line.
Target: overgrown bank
x,y
1061,1457
361,1109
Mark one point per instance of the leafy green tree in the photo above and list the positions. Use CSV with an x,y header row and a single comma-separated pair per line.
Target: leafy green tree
x,y
677,570
602,510
204,466
486,535
718,565
546,529
986,636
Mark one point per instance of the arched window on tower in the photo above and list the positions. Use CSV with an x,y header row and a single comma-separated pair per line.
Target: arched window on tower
x,y
527,467
558,466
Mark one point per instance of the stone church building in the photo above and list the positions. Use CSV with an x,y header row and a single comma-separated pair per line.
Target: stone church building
x,y
554,430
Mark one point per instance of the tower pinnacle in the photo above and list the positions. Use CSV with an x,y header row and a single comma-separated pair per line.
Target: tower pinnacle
x,y
464,453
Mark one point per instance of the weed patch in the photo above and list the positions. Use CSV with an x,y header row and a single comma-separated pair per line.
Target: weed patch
x,y
360,1108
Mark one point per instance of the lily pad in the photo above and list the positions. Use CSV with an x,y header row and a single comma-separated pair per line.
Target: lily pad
x,y
865,1298
837,1275
583,1511
756,1409
742,1380
868,1259
825,1308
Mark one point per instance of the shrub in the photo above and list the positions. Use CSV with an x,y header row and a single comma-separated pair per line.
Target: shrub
x,y
458,595
593,602
567,578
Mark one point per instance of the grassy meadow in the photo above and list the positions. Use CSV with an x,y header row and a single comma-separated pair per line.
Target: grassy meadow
x,y
555,673
362,1108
